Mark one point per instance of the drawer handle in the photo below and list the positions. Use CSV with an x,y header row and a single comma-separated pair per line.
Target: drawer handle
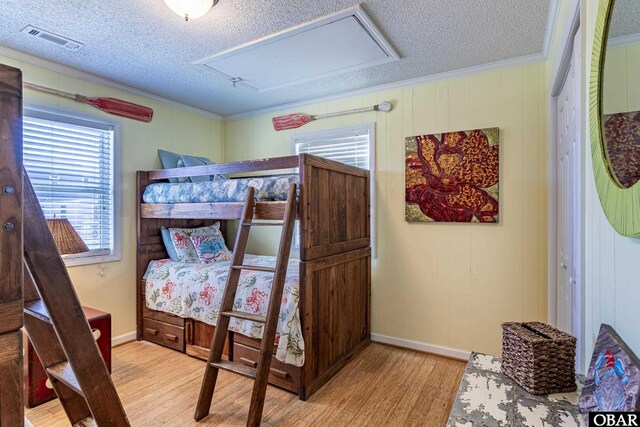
x,y
248,362
171,337
151,331
279,373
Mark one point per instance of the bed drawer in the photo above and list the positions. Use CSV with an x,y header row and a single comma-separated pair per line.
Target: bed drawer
x,y
248,342
160,316
171,336
281,375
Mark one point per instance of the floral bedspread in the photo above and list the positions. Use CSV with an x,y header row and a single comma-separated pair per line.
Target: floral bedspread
x,y
195,291
267,188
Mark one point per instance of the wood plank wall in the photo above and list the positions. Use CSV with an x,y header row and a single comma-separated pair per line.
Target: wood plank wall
x,y
449,285
110,286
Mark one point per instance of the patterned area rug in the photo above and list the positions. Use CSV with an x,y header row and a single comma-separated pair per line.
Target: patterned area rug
x,y
488,398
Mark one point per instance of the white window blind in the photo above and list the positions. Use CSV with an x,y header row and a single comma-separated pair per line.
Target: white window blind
x,y
351,146
354,146
71,165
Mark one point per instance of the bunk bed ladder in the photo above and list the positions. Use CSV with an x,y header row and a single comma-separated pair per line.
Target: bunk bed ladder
x,y
260,373
59,331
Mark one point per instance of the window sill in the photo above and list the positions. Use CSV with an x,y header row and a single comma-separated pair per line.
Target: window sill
x,y
70,261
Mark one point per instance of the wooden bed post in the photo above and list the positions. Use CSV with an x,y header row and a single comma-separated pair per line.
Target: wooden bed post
x,y
142,180
11,275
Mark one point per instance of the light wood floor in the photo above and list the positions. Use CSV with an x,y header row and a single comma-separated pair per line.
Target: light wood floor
x,y
383,386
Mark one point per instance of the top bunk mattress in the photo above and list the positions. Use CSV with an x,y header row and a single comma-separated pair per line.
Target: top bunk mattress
x,y
267,189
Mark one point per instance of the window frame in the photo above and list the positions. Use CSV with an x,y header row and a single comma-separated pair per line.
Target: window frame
x,y
303,137
75,118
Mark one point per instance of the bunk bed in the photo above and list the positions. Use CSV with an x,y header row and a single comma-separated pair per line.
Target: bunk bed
x,y
333,273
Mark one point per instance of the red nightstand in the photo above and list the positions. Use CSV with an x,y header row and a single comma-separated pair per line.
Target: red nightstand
x,y
35,379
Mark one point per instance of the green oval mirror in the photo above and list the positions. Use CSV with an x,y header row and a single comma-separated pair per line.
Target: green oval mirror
x,y
615,112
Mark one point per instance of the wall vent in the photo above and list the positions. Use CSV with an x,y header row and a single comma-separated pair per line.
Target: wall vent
x,y
64,42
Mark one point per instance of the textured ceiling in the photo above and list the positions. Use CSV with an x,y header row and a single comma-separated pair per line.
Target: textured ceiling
x,y
143,44
625,20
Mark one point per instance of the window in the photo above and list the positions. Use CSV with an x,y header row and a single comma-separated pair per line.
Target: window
x,y
70,162
354,146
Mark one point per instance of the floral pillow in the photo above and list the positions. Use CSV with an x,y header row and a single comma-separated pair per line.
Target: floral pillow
x,y
181,238
210,247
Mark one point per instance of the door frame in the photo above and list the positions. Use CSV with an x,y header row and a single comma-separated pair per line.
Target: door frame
x,y
557,79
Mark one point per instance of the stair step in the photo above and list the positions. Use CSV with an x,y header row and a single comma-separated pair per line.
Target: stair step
x,y
87,422
263,224
244,315
254,268
235,368
37,309
64,373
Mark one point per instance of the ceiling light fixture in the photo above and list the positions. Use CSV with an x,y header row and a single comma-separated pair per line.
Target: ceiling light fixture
x,y
191,9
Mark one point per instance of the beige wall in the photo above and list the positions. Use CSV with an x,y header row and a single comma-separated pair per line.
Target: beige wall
x,y
621,85
444,284
612,291
111,286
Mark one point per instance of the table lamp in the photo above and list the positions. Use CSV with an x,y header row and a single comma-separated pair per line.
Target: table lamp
x,y
66,237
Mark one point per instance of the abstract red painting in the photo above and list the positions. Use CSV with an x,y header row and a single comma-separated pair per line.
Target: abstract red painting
x,y
453,177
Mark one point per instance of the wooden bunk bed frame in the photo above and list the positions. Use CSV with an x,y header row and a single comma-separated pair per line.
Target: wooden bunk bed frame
x,y
11,247
335,265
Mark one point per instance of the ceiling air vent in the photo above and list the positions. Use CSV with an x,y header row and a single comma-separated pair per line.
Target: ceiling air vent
x,y
64,42
333,45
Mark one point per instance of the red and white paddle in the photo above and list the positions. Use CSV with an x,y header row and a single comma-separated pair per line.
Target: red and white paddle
x,y
114,106
294,121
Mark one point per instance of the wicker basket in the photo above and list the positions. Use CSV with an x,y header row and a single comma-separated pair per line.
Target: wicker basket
x,y
540,358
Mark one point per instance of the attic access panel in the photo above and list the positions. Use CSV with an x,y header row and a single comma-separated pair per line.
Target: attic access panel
x,y
336,44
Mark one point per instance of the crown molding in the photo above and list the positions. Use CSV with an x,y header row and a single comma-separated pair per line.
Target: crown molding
x,y
478,69
74,72
554,8
624,40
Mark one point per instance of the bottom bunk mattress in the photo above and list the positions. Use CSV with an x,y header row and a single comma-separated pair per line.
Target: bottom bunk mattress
x,y
195,291
267,189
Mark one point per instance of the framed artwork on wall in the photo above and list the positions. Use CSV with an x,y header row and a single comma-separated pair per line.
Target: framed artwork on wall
x,y
612,383
453,176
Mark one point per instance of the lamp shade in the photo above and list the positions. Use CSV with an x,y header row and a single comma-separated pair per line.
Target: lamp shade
x,y
66,237
190,9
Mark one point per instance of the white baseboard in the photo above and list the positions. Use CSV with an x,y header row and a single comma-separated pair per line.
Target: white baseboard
x,y
421,346
125,338
398,342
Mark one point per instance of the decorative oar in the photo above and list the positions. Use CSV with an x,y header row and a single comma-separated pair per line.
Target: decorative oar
x,y
294,121
114,106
